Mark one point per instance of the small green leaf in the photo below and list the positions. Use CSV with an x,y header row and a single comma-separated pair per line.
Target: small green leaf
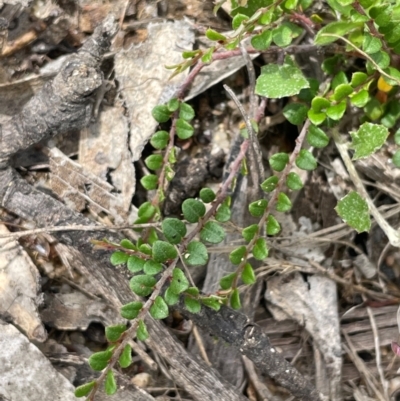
x,y
371,44
306,161
214,35
186,112
358,78
324,35
273,227
160,140
118,258
381,58
131,310
142,284
170,297
146,210
154,162
99,360
135,264
360,99
206,58
339,79
212,232
368,139
397,137
193,291
315,117
179,282
223,213
173,104
269,184
211,302
262,41
293,182
125,359
319,104
396,158
258,207
128,244
172,156
342,91
260,249
278,161
248,276
354,211
192,305
238,19
237,255
159,310
85,389
193,210
161,113
285,33
145,248
196,254
235,299
283,203
113,333
110,385
207,195
336,111
149,182
249,232
152,268
163,251
295,113
142,333
277,81
183,129
227,281
173,229
316,137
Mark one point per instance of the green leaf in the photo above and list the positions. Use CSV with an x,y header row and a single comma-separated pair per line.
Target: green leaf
x,y
186,112
196,254
142,284
135,264
397,137
324,35
249,232
161,113
149,182
315,117
145,248
336,111
316,137
179,282
146,210
212,232
342,91
173,229
381,58
360,99
235,299
238,19
278,161
125,359
212,303
269,184
285,33
154,162
183,129
371,44
295,113
293,182
262,41
319,104
273,227
358,78
131,310
306,161
277,81
193,291
214,35
237,255
110,385
99,360
128,244
206,58
193,210
207,195
159,309
353,210
227,281
396,158
142,333
118,258
163,251
172,156
260,249
283,203
258,207
368,139
152,268
223,213
173,104
113,333
192,305
170,297
248,276
85,389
